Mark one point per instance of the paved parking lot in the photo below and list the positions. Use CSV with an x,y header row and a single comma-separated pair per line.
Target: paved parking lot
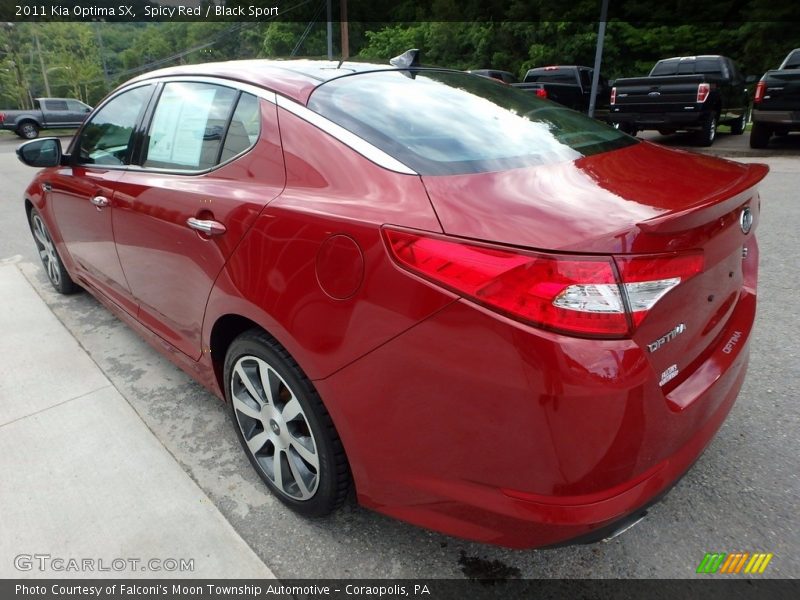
x,y
740,496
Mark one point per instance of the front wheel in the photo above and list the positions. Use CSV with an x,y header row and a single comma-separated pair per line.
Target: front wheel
x,y
283,426
51,261
28,130
708,133
737,127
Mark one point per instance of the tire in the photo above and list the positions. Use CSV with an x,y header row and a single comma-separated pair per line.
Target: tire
x,y
313,477
737,127
28,130
626,128
51,261
708,133
666,131
759,135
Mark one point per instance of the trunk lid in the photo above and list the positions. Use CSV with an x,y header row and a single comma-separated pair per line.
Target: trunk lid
x,y
643,199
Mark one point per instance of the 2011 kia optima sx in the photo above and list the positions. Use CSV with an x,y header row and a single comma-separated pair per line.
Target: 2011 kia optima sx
x,y
490,315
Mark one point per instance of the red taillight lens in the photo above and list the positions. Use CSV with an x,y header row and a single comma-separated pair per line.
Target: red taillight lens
x,y
613,95
703,90
2,117
573,294
541,92
761,88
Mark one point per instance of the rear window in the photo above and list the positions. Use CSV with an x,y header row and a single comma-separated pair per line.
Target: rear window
x,y
711,66
444,123
550,77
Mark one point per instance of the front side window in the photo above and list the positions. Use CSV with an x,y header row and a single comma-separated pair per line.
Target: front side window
x,y
188,126
442,123
107,138
76,106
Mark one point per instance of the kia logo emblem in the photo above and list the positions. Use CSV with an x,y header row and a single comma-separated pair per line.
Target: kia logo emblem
x,y
746,220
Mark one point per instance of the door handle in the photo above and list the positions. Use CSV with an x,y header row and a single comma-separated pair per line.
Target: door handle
x,y
209,227
47,186
99,201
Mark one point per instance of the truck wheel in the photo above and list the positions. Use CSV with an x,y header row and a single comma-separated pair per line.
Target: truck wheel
x,y
666,131
759,135
28,130
707,135
737,127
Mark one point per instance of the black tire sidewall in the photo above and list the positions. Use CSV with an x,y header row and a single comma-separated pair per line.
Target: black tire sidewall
x,y
261,346
22,134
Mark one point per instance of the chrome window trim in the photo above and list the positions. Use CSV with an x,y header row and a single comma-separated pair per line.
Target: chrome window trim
x,y
348,138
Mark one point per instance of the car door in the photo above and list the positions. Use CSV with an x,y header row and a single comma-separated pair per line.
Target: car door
x,y
211,161
55,112
77,112
82,194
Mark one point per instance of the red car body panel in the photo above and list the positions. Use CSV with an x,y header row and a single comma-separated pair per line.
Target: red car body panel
x,y
452,416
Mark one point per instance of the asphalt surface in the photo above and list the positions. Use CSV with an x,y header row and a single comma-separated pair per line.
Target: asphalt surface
x,y
740,496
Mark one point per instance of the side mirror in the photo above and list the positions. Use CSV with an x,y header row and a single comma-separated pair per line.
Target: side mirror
x,y
45,152
750,79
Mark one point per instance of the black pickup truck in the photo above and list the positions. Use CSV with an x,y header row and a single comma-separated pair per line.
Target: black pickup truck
x,y
568,85
690,93
776,106
51,113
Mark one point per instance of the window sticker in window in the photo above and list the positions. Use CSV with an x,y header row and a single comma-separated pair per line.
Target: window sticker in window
x,y
188,125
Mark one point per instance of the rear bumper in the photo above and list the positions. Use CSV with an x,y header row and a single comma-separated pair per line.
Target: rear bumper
x,y
499,433
777,117
661,120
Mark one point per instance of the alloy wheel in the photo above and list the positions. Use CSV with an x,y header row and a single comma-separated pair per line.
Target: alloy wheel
x,y
275,428
47,250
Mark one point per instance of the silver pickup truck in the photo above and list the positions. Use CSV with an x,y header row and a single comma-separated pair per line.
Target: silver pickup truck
x,y
52,113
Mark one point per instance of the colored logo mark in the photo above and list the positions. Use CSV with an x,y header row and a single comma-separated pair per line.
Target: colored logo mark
x,y
737,562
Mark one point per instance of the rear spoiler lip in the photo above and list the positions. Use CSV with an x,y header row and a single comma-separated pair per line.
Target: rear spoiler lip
x,y
712,207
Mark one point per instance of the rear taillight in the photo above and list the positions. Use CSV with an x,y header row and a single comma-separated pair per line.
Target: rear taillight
x,y
594,296
761,88
703,90
2,117
541,92
613,95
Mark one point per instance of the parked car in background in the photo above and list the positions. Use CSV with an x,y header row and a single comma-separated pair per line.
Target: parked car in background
x,y
489,314
776,105
689,93
50,113
503,76
568,85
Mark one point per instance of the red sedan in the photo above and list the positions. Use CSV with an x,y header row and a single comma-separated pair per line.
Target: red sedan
x,y
487,314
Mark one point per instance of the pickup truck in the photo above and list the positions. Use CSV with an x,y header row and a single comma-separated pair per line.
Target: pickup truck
x,y
776,105
568,85
689,93
51,113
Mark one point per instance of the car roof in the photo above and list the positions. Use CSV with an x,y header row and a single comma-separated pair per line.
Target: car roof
x,y
295,79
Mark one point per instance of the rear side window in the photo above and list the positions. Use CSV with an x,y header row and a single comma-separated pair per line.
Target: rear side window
x,y
793,60
244,129
188,126
441,122
107,138
665,67
55,105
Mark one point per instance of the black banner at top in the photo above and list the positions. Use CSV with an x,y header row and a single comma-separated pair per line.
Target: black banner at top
x,y
400,11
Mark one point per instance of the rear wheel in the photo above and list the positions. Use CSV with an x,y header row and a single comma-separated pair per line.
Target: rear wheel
x,y
28,130
283,426
708,132
666,131
759,135
48,254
